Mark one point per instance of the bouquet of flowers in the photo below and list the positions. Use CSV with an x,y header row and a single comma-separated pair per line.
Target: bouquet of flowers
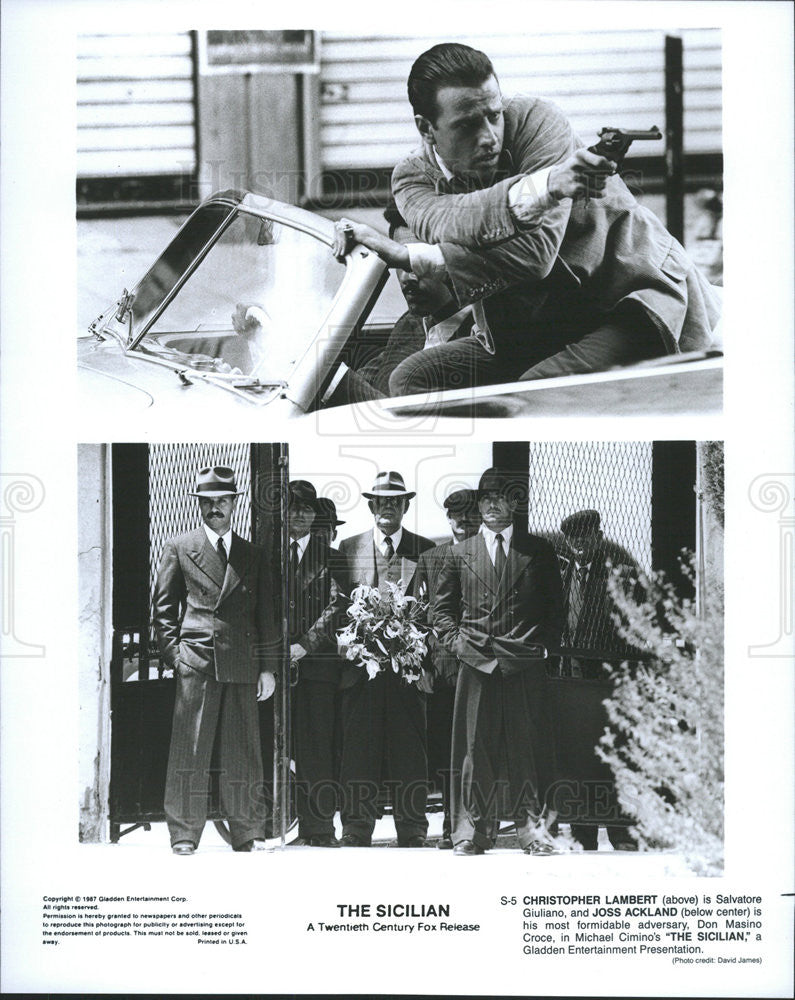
x,y
386,630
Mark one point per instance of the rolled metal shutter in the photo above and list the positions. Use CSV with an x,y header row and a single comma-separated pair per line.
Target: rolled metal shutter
x,y
597,78
135,105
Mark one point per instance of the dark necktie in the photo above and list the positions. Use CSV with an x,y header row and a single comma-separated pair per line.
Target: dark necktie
x,y
582,578
390,548
293,558
222,551
499,557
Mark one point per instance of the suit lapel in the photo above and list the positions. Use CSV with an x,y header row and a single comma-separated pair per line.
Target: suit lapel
x,y
364,560
235,567
477,558
515,565
204,556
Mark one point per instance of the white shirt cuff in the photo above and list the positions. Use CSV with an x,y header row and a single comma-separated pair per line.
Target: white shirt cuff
x,y
426,261
529,197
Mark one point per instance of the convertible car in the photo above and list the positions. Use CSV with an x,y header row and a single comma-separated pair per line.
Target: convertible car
x,y
247,311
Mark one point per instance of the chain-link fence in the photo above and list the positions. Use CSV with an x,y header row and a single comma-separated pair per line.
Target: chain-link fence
x,y
613,479
172,474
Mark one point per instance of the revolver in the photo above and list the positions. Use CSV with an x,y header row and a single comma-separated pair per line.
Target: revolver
x,y
614,142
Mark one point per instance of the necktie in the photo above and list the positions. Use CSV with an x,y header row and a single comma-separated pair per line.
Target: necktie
x,y
390,548
582,577
222,551
293,557
499,556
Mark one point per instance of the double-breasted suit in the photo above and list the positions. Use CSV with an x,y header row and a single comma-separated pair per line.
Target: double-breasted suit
x,y
501,630
383,719
215,628
318,592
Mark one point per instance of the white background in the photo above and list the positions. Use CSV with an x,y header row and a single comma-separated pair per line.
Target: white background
x,y
280,893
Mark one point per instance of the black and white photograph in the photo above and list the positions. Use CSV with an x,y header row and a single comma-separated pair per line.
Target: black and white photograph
x,y
473,226
545,662
397,487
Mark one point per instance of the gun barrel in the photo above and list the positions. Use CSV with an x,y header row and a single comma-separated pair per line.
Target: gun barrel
x,y
632,134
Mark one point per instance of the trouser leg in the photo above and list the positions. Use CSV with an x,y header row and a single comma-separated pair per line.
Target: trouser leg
x,y
477,732
585,834
440,734
622,340
458,364
314,721
194,724
529,747
406,764
361,756
241,792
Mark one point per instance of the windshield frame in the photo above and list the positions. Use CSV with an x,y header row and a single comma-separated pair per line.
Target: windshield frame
x,y
249,204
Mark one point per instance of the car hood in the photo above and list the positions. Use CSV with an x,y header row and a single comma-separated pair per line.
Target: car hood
x,y
114,379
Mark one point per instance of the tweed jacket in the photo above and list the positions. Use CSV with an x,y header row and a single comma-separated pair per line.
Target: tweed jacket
x,y
214,620
489,622
614,249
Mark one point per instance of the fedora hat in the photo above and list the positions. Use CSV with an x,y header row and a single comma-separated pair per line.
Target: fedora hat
x,y
303,491
388,484
215,481
327,512
507,482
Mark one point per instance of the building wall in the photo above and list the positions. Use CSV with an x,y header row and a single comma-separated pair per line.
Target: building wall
x,y
94,641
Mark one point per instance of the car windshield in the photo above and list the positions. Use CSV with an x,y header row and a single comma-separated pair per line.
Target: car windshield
x,y
253,305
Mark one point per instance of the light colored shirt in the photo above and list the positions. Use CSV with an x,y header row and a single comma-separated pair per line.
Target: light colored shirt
x,y
528,199
379,539
302,542
490,538
213,537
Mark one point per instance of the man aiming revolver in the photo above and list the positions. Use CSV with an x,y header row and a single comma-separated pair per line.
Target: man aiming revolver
x,y
565,272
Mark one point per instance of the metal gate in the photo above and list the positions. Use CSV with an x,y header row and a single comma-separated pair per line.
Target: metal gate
x,y
150,505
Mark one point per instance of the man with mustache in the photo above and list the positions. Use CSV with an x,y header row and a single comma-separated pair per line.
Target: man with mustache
x,y
498,608
215,622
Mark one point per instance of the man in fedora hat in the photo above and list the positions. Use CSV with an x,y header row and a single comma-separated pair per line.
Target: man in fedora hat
x,y
383,719
318,587
463,516
590,635
326,521
498,608
215,623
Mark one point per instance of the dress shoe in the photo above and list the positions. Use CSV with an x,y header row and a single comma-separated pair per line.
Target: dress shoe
x,y
184,847
251,845
539,847
445,843
352,840
416,841
468,847
625,845
322,840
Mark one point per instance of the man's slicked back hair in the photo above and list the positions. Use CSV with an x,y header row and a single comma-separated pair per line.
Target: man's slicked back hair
x,y
449,64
